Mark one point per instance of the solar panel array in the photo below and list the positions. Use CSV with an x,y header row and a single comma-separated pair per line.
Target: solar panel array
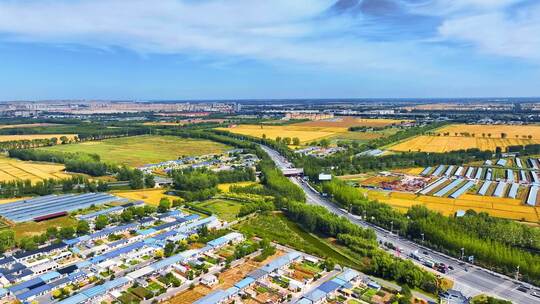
x,y
26,210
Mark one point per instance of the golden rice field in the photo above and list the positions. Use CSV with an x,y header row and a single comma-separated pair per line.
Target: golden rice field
x,y
486,137
499,207
304,133
225,187
13,169
349,121
494,130
149,196
30,125
34,136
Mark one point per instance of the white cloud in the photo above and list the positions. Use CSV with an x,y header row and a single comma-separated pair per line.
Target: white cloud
x,y
277,30
498,33
448,7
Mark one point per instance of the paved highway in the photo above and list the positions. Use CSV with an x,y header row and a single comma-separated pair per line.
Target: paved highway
x,y
469,279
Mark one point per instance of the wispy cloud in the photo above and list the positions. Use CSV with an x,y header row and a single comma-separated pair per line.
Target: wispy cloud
x,y
300,31
514,34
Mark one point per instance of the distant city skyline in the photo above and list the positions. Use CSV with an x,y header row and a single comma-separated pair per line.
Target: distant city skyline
x,y
250,49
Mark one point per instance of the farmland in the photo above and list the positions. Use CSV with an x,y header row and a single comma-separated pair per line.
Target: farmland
x,y
29,229
459,136
225,209
226,186
13,169
149,196
495,206
304,133
348,121
140,150
34,136
29,125
308,133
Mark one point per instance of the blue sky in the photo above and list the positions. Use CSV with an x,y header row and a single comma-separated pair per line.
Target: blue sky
x,y
228,49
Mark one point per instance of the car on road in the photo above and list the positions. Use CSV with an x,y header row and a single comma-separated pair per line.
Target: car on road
x,y
425,252
523,289
535,294
450,267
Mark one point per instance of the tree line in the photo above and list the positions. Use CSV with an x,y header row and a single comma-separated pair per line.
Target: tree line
x,y
20,188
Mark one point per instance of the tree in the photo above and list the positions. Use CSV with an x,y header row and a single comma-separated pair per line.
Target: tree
x,y
296,141
64,140
127,215
164,205
177,203
136,180
169,249
7,239
27,244
325,143
329,264
149,181
101,222
406,295
66,232
102,186
83,227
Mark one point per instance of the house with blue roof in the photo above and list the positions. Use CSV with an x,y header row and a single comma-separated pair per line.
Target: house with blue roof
x,y
216,297
244,283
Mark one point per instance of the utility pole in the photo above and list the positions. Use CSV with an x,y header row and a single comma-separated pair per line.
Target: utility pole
x,y
517,272
391,227
422,238
462,253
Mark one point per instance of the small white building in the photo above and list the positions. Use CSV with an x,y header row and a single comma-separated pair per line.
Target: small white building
x,y
325,177
209,280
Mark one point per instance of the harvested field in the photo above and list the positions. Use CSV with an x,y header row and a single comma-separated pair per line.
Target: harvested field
x,y
225,187
149,196
14,169
34,136
460,136
513,132
349,121
32,125
304,133
499,207
9,200
29,229
145,149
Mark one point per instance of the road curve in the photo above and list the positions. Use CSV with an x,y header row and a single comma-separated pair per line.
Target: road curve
x,y
469,279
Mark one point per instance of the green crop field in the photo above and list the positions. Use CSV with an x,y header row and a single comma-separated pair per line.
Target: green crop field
x,y
224,209
146,149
